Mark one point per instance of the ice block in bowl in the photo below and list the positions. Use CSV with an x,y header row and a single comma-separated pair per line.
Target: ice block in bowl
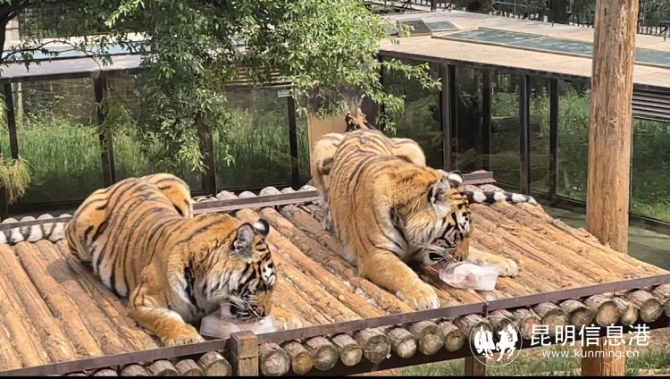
x,y
468,275
221,324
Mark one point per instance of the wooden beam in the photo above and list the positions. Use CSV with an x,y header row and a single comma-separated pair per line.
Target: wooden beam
x,y
610,139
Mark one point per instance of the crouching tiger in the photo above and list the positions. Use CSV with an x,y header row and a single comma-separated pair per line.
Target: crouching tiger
x,y
173,268
388,213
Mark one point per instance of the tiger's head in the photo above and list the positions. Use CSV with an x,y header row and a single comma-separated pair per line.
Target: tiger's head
x,y
252,286
439,225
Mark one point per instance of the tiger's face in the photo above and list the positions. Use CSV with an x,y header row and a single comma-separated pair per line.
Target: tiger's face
x,y
252,297
446,225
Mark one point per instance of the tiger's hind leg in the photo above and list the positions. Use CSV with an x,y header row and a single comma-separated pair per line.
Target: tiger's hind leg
x,y
508,267
386,270
162,322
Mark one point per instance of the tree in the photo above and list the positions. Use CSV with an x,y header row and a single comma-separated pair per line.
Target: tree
x,y
610,137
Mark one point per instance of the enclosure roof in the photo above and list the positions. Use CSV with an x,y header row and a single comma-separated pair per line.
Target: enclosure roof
x,y
535,46
55,310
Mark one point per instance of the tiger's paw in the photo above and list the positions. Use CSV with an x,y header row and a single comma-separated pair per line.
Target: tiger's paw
x,y
507,267
182,336
286,320
420,296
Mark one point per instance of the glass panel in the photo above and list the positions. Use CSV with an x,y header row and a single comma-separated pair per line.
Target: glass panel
x,y
303,145
540,156
55,134
505,126
651,162
129,160
468,156
574,109
420,120
257,139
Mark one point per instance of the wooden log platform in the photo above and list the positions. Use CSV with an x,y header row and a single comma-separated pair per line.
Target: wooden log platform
x,y
55,310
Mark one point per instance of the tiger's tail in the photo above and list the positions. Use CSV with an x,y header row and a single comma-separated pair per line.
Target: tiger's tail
x,y
491,197
53,232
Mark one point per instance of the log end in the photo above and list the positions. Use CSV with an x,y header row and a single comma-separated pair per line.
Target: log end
x,y
274,361
429,336
375,344
163,368
324,354
188,367
214,364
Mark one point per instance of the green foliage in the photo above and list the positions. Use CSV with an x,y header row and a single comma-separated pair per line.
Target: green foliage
x,y
195,47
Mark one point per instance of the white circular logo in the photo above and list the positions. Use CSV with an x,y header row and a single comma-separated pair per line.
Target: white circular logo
x,y
495,349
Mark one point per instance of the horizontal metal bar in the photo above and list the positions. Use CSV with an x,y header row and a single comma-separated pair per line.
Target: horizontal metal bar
x,y
462,310
207,206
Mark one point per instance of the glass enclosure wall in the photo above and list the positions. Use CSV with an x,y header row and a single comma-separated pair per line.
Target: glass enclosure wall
x,y
421,118
505,127
540,133
651,164
56,135
469,130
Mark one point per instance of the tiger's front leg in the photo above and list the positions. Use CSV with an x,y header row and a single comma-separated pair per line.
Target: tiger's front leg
x,y
508,267
386,270
164,323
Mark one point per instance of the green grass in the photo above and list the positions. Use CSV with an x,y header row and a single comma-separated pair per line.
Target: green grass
x,y
64,158
552,366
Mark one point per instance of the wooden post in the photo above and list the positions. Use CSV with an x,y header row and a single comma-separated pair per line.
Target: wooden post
x,y
473,367
242,353
610,137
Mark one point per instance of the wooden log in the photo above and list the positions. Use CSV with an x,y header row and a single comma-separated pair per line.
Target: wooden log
x,y
135,370
322,298
214,364
403,343
58,302
375,344
77,374
527,320
350,352
114,341
579,315
605,309
289,297
110,372
429,336
323,352
467,323
650,309
628,312
188,367
552,316
274,361
663,293
163,367
325,257
19,330
500,320
107,301
454,338
21,344
294,247
301,359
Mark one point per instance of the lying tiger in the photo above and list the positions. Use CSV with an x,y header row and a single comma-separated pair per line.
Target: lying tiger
x,y
142,240
389,212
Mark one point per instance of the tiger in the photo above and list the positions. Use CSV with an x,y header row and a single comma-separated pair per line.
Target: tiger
x,y
174,269
389,213
324,149
176,189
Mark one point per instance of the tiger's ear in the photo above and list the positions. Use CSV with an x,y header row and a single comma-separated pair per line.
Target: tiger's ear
x,y
244,240
262,227
455,178
439,190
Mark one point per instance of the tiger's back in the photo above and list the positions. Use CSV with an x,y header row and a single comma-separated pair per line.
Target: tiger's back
x,y
92,216
117,228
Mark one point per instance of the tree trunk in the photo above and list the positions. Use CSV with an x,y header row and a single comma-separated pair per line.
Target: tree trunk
x,y
610,136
